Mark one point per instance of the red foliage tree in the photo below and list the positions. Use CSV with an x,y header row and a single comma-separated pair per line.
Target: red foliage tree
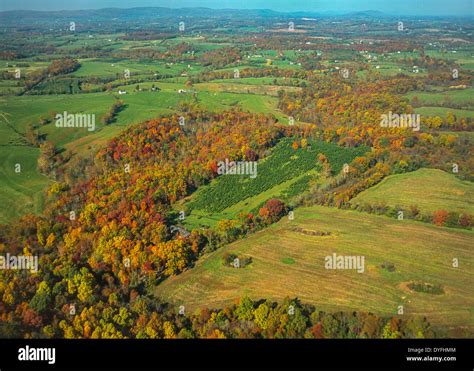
x,y
273,210
440,217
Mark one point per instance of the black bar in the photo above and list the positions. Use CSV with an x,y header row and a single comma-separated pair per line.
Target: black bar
x,y
242,354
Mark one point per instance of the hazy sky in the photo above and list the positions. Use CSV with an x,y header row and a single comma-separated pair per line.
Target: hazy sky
x,y
408,7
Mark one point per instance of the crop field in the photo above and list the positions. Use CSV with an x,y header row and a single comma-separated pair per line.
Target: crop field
x,y
197,218
283,165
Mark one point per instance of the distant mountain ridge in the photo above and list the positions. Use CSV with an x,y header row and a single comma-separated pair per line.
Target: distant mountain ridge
x,y
187,11
149,13
141,11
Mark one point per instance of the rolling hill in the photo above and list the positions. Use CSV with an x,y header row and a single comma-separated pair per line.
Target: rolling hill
x,y
429,189
288,260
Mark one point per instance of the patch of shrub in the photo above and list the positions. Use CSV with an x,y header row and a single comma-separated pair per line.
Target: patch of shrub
x,y
310,233
229,259
427,288
390,267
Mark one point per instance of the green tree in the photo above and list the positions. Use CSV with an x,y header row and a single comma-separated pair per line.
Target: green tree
x,y
262,314
42,298
244,310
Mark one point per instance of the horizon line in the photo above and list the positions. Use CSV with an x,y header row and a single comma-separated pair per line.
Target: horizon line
x,y
329,12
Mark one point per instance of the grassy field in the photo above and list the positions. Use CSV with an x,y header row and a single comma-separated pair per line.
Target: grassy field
x,y
140,106
464,97
245,88
286,262
281,81
429,189
462,56
441,112
46,106
21,192
93,67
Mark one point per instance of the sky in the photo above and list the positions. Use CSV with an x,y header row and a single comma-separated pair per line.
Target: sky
x,y
405,7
